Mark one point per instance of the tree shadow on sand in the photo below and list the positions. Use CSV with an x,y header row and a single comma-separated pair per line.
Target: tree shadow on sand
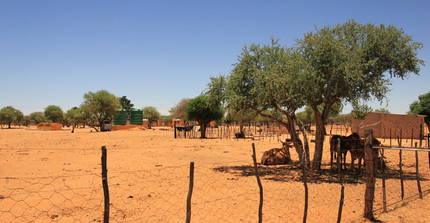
x,y
293,172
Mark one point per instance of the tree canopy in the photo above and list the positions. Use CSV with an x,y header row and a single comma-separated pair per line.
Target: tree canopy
x,y
151,114
199,110
351,61
180,109
54,113
37,117
101,105
335,64
75,116
9,115
422,107
126,105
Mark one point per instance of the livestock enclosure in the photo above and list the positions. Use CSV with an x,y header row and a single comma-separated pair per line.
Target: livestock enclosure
x,y
57,177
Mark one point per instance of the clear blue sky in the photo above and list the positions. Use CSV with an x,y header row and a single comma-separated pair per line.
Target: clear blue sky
x,y
158,52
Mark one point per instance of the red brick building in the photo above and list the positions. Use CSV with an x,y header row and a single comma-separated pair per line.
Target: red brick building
x,y
383,123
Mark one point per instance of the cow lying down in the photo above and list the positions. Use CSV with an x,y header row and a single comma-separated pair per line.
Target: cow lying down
x,y
277,156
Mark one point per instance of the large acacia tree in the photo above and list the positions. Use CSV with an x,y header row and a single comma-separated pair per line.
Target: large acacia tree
x,y
262,80
348,62
101,105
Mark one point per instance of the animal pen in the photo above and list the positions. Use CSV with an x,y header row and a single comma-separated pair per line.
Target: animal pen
x,y
224,191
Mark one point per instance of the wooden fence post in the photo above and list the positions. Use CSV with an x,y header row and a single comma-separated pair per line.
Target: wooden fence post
x,y
384,190
370,176
190,192
342,190
105,185
260,207
417,173
399,140
305,184
174,127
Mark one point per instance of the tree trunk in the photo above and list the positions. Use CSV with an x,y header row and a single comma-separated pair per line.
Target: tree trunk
x,y
149,124
203,130
319,143
241,126
320,132
294,137
9,124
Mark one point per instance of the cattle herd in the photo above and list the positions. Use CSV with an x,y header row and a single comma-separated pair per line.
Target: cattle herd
x,y
339,146
352,144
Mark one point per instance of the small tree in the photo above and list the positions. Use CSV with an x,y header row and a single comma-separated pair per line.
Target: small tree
x,y
151,114
180,109
75,116
37,117
126,105
54,113
199,110
422,107
101,105
9,115
166,118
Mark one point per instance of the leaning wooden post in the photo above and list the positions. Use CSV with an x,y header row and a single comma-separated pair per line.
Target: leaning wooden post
x,y
370,176
105,185
418,173
342,190
190,192
260,208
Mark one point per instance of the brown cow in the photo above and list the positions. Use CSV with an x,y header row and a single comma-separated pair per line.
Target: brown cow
x,y
277,156
356,148
333,150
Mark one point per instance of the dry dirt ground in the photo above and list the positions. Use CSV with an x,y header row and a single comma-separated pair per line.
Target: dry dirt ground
x,y
55,176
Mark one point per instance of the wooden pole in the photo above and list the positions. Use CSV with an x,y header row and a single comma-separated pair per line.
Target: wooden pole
x,y
175,129
428,145
342,190
260,208
370,176
384,190
418,173
399,140
305,184
190,192
105,185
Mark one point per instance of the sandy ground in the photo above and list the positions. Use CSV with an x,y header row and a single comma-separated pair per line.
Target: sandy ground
x,y
55,176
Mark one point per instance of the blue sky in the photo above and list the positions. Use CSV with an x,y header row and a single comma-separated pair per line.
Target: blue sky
x,y
158,52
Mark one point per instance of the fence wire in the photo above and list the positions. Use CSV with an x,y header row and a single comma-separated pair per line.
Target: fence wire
x,y
223,192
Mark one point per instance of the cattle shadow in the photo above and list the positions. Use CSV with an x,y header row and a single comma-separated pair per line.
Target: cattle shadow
x,y
293,173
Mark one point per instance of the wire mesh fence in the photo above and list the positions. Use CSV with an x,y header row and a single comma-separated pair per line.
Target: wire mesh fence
x,y
223,192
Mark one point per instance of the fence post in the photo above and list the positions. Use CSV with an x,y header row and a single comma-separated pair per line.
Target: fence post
x,y
190,192
399,140
384,190
370,176
305,184
417,173
260,207
342,190
105,185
